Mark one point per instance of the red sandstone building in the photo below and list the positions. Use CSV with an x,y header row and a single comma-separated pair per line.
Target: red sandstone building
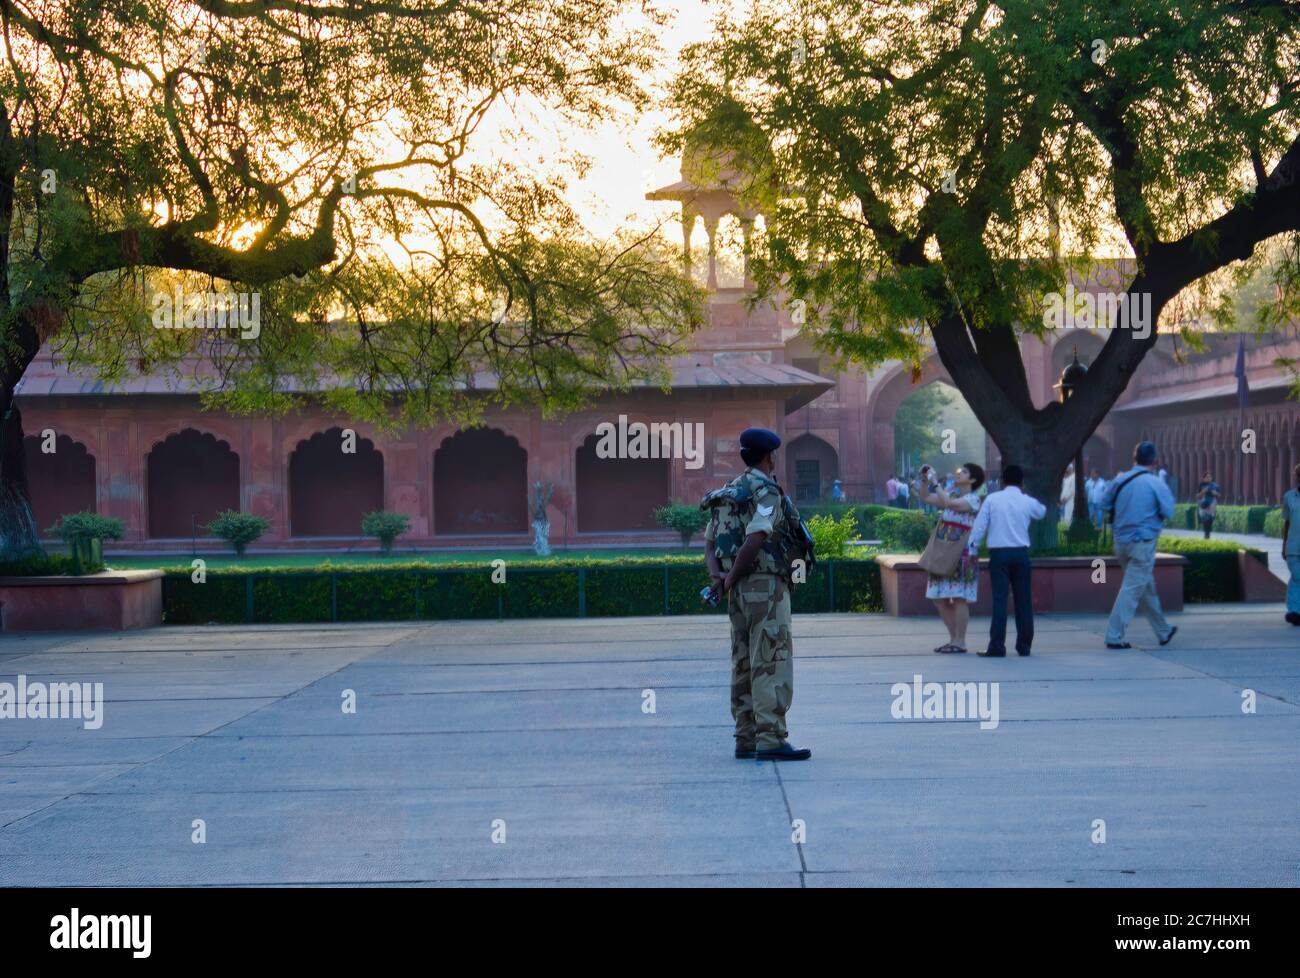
x,y
147,454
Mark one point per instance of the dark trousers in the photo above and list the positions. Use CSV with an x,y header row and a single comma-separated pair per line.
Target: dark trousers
x,y
1009,567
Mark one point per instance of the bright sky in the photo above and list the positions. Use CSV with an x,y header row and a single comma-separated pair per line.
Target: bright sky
x,y
625,164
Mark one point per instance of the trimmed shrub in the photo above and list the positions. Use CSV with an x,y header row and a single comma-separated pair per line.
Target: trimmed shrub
x,y
831,536
1273,523
686,519
1212,572
904,530
865,514
385,525
85,533
87,526
238,529
1255,517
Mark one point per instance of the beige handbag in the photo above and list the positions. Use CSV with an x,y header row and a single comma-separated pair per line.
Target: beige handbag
x,y
944,551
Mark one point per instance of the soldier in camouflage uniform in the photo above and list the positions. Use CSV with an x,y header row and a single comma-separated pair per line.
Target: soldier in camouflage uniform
x,y
758,602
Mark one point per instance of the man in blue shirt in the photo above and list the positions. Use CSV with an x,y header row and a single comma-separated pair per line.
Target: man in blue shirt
x,y
1291,546
1140,502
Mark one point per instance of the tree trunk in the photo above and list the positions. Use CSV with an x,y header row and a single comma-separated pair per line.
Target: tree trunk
x,y
17,527
1036,448
1046,488
20,339
1081,527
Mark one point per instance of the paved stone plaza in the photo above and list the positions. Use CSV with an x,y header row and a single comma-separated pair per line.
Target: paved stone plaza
x,y
541,725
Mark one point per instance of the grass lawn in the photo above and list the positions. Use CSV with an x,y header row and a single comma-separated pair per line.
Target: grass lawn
x,y
217,558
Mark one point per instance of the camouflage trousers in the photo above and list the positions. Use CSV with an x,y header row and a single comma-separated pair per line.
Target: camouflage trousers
x,y
762,667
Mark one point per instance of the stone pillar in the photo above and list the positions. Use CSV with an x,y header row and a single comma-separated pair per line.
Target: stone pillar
x,y
404,485
688,227
120,468
261,483
711,228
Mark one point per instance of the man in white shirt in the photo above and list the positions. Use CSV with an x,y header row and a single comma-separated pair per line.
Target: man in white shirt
x,y
1005,518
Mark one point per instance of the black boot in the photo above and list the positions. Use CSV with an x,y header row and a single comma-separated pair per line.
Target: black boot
x,y
784,752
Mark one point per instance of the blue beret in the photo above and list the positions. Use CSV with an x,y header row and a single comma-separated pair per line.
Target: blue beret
x,y
760,440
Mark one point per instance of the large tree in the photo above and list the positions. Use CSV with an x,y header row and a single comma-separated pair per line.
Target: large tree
x,y
319,155
933,170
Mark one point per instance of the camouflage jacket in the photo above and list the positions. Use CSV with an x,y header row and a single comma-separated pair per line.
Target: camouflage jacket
x,y
749,503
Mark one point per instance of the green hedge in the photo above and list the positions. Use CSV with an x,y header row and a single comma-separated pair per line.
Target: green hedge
x,y
1227,519
42,565
1273,523
568,588
1212,572
1242,519
560,589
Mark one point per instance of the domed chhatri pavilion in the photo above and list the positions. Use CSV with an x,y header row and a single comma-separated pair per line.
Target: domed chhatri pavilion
x,y
145,452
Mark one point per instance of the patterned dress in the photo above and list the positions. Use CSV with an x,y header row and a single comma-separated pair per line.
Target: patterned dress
x,y
962,583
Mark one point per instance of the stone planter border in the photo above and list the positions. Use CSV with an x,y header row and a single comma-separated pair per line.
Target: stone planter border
x,y
109,600
1062,584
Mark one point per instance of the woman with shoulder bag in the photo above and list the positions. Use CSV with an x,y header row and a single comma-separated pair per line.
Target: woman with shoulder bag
x,y
954,589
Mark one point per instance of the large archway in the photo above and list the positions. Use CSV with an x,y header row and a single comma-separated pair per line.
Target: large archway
x,y
811,466
331,489
192,476
58,482
617,494
934,425
480,483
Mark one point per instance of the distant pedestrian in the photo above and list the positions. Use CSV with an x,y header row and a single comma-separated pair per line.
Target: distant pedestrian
x,y
1067,495
1207,500
954,593
1004,519
1138,502
891,489
1291,546
904,500
1095,488
837,492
